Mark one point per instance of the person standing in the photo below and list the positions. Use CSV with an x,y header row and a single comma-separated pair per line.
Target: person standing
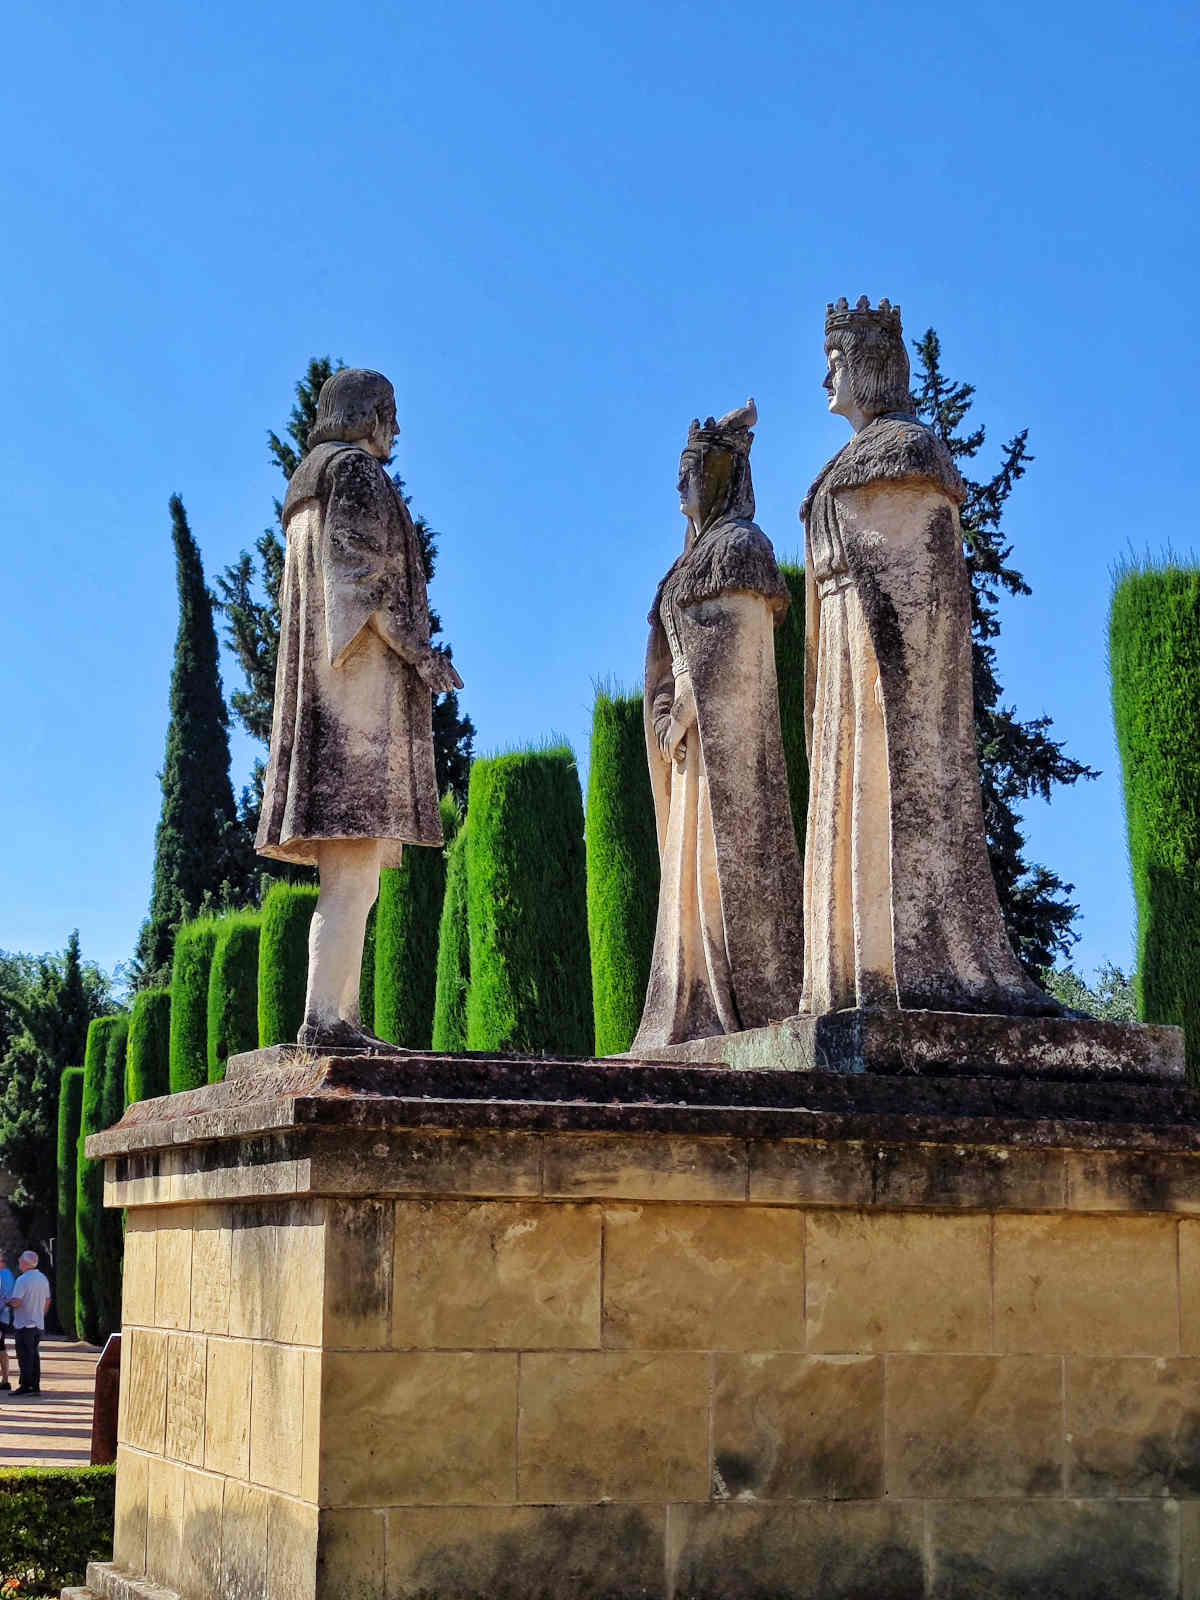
x,y
30,1300
6,1318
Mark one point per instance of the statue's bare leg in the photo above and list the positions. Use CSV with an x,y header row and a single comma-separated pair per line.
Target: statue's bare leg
x,y
349,870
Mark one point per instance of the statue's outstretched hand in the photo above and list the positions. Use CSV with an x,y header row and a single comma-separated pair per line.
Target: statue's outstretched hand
x,y
437,671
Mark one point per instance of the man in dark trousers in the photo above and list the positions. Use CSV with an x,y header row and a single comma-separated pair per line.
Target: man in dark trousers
x,y
30,1301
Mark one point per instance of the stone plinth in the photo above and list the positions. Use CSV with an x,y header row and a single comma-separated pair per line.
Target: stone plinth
x,y
422,1329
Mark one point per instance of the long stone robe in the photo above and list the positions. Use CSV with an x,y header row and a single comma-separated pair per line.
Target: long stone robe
x,y
352,736
727,945
900,907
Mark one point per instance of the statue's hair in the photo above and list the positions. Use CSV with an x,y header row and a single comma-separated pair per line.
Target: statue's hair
x,y
878,362
349,405
721,450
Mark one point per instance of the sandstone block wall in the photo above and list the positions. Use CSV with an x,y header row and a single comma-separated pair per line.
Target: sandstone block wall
x,y
607,1367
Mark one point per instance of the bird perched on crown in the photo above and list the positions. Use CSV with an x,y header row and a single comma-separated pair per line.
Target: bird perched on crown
x,y
900,908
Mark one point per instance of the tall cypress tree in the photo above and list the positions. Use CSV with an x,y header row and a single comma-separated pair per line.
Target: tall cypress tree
x,y
200,849
249,599
1017,759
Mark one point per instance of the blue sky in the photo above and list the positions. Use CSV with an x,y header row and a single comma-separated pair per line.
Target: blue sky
x,y
562,230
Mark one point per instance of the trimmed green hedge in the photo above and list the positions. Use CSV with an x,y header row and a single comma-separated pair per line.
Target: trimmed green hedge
x,y
283,961
622,869
70,1113
454,953
97,1231
194,946
789,671
531,982
233,990
53,1521
148,1063
1154,654
366,978
411,897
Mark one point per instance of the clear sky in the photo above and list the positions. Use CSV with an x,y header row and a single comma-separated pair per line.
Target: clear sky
x,y
562,230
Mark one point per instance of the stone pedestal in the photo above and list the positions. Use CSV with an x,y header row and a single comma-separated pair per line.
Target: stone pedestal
x,y
401,1328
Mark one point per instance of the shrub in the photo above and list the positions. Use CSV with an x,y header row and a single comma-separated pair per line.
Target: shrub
x,y
453,953
622,869
97,1231
53,1521
70,1108
366,978
789,672
411,897
148,1063
531,987
232,1024
194,946
283,961
1154,654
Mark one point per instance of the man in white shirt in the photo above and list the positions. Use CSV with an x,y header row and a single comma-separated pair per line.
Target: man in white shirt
x,y
6,1328
29,1301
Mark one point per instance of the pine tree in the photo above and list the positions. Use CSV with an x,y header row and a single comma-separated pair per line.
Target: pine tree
x,y
1016,759
249,599
200,848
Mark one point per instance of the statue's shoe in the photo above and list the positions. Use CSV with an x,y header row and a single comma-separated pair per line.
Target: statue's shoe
x,y
343,1035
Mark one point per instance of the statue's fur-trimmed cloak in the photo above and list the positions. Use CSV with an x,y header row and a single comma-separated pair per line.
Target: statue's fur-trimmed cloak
x,y
352,737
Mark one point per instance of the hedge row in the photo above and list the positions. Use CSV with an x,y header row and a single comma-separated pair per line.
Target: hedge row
x,y
283,961
70,1109
194,946
454,953
148,1062
406,940
232,1012
98,1236
53,1521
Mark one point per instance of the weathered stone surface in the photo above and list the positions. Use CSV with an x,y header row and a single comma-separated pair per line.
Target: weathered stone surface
x,y
1056,1550
292,1550
357,1261
164,1519
1133,1427
244,1542
143,1414
1062,1285
593,1552
1189,1550
421,1428
965,1426
277,1417
200,1547
509,1274
803,1551
278,1272
227,1407
1133,1180
891,1281
645,1168
914,1175
601,1426
173,1276
137,1276
462,1163
703,1278
351,1555
212,1252
1189,1287
186,1382
792,1427
129,1523
812,1172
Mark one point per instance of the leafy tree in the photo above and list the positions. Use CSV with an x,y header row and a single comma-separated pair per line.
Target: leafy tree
x,y
1111,997
201,848
1017,759
249,599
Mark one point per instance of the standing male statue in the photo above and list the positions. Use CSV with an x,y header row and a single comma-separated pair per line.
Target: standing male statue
x,y
900,908
351,774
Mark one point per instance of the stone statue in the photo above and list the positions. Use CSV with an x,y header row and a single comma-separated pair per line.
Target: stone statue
x,y
900,908
727,947
351,775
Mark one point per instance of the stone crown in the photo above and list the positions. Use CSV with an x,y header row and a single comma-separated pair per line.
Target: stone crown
x,y
842,315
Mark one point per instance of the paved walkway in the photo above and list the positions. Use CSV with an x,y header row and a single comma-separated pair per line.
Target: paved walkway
x,y
54,1428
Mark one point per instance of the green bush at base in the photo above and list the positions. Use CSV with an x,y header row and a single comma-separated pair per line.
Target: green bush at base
x,y
366,978
411,897
97,1231
453,953
194,946
1154,654
53,1521
232,1024
622,869
148,1062
283,961
789,672
70,1112
531,983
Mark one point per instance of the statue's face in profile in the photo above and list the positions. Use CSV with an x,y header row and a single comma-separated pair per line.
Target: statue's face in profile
x,y
384,437
690,484
837,384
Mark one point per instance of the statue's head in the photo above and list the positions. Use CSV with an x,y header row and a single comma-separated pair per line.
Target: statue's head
x,y
356,406
714,469
868,364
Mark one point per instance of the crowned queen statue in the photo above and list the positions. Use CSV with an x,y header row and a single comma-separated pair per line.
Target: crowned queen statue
x,y
900,908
